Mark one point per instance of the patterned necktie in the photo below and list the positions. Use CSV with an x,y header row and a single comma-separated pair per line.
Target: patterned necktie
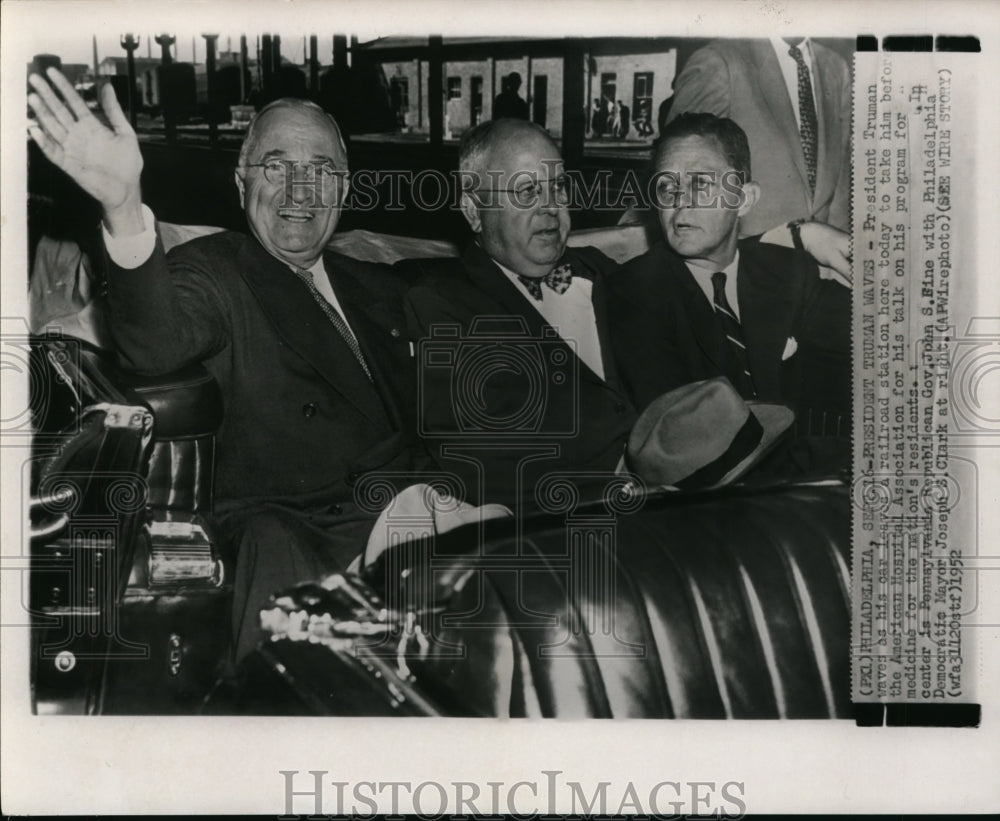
x,y
558,280
733,332
808,127
334,316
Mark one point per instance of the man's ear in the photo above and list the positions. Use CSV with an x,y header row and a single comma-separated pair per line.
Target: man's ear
x,y
240,187
470,210
751,193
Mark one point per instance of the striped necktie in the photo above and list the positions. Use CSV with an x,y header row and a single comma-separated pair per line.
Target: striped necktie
x,y
334,316
733,332
808,126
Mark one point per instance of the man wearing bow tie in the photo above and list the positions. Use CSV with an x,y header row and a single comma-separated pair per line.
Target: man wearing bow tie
x,y
517,377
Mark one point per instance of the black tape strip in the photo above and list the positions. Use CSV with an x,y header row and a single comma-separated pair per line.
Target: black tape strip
x,y
933,715
866,42
897,42
869,715
968,44
917,715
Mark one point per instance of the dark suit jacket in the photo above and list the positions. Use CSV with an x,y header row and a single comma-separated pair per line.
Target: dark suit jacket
x,y
577,420
510,104
742,80
302,421
666,333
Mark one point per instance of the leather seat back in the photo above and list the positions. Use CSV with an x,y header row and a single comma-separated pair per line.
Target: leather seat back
x,y
732,605
187,406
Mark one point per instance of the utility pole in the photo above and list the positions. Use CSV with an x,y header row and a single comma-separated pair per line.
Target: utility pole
x,y
130,44
213,128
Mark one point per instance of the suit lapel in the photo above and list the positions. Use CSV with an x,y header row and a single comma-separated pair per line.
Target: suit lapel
x,y
695,308
488,277
775,94
599,299
369,318
303,326
766,311
486,274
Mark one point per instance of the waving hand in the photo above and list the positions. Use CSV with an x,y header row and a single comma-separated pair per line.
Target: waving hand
x,y
104,161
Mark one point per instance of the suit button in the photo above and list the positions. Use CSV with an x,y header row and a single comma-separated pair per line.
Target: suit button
x,y
619,407
336,509
394,332
309,409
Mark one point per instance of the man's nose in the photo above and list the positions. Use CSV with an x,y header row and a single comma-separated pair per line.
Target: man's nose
x,y
547,198
301,192
683,198
303,185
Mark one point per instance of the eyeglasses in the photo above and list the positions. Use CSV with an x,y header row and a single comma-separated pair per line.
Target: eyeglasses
x,y
560,191
699,189
275,170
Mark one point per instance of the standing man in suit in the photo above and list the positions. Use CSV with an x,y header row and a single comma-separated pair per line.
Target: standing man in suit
x,y
792,97
305,344
509,103
516,371
704,304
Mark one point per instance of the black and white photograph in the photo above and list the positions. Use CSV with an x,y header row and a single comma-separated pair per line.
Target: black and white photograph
x,y
363,367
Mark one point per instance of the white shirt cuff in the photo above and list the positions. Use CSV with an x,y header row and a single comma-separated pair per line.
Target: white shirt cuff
x,y
132,251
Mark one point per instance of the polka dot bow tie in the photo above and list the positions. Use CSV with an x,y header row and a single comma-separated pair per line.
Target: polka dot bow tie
x,y
558,280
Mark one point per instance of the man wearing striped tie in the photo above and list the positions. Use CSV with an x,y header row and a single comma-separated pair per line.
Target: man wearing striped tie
x,y
704,303
306,345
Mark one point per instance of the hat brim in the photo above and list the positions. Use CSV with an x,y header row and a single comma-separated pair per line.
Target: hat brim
x,y
775,420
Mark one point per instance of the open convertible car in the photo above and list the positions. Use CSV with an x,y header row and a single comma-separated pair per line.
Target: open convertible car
x,y
730,603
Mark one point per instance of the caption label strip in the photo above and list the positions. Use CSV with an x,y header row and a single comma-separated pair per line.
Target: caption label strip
x,y
911,591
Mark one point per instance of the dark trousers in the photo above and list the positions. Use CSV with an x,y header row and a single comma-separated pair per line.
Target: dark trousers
x,y
276,548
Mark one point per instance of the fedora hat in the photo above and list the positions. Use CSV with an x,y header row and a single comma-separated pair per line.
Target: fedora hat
x,y
703,435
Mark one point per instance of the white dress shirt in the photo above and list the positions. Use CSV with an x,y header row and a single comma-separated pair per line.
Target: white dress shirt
x,y
132,251
571,314
702,274
790,71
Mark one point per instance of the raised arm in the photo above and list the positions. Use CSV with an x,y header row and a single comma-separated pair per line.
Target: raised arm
x,y
162,316
104,160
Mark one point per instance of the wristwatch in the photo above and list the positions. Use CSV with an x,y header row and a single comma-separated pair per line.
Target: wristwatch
x,y
795,226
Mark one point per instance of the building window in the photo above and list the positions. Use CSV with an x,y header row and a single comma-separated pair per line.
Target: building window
x,y
399,91
644,84
475,100
642,102
454,88
609,88
540,99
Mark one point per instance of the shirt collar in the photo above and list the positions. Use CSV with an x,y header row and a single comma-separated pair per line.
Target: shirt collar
x,y
781,47
318,269
506,270
707,269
